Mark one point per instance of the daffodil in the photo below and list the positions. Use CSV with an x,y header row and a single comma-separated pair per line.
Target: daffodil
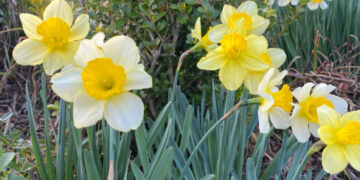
x,y
52,41
304,119
275,103
286,2
236,55
203,40
100,86
247,11
275,57
314,4
342,137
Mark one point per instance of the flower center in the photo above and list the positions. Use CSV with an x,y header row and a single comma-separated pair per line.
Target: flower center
x,y
55,32
349,134
317,1
266,58
233,45
283,98
310,105
103,79
237,16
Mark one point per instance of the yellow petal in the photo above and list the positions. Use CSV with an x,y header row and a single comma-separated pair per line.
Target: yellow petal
x,y
239,28
248,7
256,45
123,51
196,32
352,153
30,23
54,61
30,52
226,13
253,80
69,52
327,134
333,159
232,75
259,25
81,28
277,56
212,61
353,115
218,32
60,9
327,116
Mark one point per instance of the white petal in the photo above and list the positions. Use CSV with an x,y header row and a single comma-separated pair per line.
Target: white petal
x,y
314,129
300,128
123,51
87,110
341,106
277,80
301,93
137,78
87,51
264,125
323,5
124,112
268,101
322,89
218,32
283,2
277,56
312,6
294,2
263,86
248,7
30,23
98,38
67,83
54,60
60,9
226,13
279,118
30,52
81,28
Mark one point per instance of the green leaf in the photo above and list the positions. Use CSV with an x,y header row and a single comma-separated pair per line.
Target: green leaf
x,y
137,172
91,171
164,165
187,128
250,169
5,159
209,177
34,139
141,147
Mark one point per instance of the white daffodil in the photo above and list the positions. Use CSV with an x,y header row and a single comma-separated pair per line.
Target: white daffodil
x,y
99,87
314,4
275,57
304,119
204,40
247,11
275,103
286,2
52,41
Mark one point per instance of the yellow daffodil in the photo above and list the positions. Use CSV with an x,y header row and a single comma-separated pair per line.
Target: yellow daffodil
x,y
236,55
275,57
247,11
275,103
100,86
286,2
314,4
304,119
203,40
52,41
342,137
